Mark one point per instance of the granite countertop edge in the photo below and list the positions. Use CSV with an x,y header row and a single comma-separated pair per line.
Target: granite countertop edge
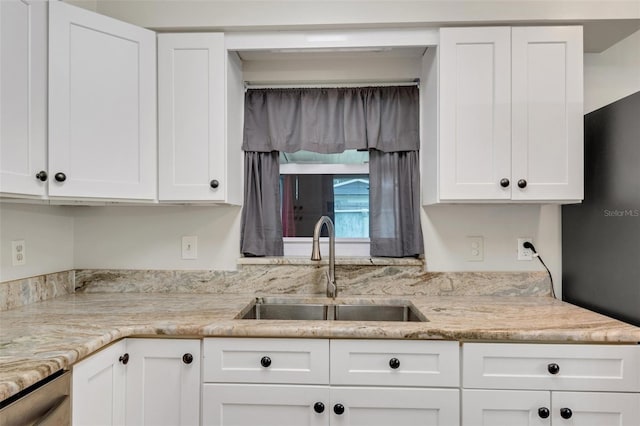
x,y
39,339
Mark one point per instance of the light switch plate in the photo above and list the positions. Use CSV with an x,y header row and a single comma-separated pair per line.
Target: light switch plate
x,y
190,247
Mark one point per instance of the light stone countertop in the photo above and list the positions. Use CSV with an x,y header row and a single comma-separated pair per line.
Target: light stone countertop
x,y
39,339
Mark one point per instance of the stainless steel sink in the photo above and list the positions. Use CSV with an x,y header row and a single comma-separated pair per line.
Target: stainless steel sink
x,y
278,309
376,313
286,311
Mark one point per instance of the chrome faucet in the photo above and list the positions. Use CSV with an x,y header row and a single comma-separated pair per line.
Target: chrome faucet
x,y
332,288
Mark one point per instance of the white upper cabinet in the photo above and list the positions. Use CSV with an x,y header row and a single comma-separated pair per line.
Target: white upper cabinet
x,y
502,119
547,113
23,97
475,108
200,93
102,106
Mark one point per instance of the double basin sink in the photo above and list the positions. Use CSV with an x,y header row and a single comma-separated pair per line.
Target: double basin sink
x,y
265,308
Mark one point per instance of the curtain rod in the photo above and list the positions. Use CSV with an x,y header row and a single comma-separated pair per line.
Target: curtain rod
x,y
327,85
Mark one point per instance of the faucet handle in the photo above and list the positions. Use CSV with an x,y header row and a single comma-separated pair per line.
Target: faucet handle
x,y
332,288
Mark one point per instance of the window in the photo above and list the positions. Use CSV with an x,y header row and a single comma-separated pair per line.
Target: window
x,y
335,185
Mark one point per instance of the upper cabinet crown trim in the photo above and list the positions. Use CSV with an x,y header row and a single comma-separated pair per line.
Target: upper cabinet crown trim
x,y
335,39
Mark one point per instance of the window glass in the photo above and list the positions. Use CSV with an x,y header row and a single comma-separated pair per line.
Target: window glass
x,y
334,185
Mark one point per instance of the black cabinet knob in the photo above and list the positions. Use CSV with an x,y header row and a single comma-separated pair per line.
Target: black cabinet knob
x,y
124,359
318,407
214,184
394,363
265,361
522,183
60,177
338,409
42,176
553,368
566,413
187,358
504,182
543,412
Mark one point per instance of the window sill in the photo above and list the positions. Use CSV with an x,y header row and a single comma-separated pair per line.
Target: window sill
x,y
342,260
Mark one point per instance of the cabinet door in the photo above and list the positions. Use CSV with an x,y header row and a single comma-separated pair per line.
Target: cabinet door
x,y
475,113
163,382
547,113
191,96
418,363
23,100
368,406
98,392
266,405
102,106
550,367
506,408
595,409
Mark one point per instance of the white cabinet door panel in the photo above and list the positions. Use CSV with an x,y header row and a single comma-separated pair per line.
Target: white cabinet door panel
x,y
366,406
102,104
505,408
23,96
596,409
264,405
547,113
420,363
475,111
527,366
191,96
99,388
290,360
163,389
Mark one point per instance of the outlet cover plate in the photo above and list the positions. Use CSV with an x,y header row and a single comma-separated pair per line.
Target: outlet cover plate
x,y
475,249
523,253
18,253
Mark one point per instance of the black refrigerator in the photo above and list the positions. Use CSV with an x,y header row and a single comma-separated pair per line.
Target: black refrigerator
x,y
601,236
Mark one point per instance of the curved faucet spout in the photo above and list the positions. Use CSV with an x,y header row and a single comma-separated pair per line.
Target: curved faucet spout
x,y
332,288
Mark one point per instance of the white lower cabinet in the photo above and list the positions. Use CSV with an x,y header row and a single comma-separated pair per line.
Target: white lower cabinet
x,y
163,382
139,382
383,382
533,408
384,406
98,387
541,384
266,405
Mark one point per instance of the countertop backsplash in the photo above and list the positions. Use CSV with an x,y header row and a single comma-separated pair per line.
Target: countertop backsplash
x,y
14,294
279,276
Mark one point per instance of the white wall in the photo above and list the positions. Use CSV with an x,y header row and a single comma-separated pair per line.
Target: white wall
x,y
612,74
445,228
151,237
269,14
48,235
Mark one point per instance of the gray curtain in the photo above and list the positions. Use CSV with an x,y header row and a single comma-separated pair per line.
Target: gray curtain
x,y
261,233
384,120
394,204
331,120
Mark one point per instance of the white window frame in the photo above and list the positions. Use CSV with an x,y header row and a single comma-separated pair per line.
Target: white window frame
x,y
345,247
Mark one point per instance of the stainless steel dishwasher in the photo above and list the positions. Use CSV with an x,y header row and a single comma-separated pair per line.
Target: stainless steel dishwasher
x,y
46,403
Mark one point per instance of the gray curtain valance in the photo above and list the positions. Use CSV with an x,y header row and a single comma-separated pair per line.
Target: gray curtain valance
x,y
331,120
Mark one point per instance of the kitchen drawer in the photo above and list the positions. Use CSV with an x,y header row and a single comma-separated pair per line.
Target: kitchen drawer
x,y
533,366
245,360
417,363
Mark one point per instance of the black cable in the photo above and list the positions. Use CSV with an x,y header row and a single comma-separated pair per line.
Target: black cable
x,y
530,246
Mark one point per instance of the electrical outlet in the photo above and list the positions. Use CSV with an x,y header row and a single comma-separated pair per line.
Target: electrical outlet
x,y
523,253
190,247
18,253
475,249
